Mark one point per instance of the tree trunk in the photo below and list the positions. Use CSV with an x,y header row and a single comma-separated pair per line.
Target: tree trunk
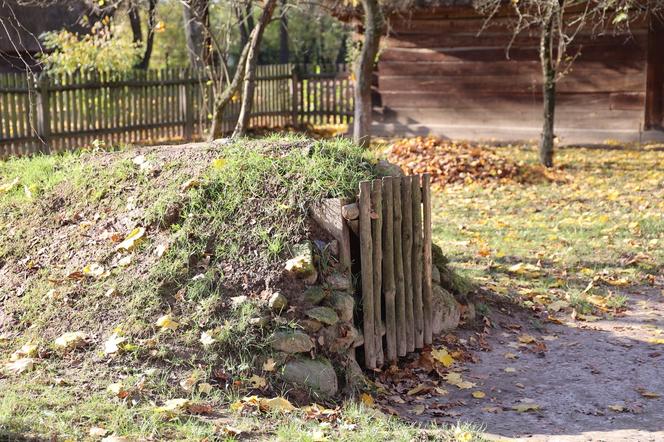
x,y
245,19
135,22
373,25
222,101
284,53
250,70
149,44
196,18
548,93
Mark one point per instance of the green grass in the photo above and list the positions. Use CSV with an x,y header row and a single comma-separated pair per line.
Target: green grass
x,y
605,223
247,206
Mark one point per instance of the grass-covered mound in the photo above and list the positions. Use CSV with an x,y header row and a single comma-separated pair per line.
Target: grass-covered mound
x,y
134,284
209,224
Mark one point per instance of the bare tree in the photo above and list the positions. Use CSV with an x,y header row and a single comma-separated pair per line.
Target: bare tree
x,y
196,15
558,24
250,68
137,29
373,28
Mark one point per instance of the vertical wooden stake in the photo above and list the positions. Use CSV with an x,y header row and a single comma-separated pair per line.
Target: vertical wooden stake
x,y
186,102
367,275
43,114
388,271
427,289
407,239
417,255
377,235
295,85
398,270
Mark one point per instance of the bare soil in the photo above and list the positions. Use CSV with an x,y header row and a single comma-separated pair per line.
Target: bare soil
x,y
589,379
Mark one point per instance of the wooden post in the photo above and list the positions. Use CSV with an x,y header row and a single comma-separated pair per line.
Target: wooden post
x,y
398,270
43,115
295,96
377,237
187,108
367,275
388,271
427,289
417,255
407,238
654,100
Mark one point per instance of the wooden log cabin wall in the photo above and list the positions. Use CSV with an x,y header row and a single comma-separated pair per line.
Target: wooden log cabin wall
x,y
437,74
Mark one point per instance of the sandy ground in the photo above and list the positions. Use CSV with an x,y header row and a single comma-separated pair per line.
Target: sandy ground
x,y
587,368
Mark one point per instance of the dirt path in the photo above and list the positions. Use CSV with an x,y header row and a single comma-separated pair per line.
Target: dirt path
x,y
589,384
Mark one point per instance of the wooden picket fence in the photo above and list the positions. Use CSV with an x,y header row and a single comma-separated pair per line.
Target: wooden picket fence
x,y
396,266
64,112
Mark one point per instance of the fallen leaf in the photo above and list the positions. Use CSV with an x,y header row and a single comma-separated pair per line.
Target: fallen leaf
x,y
204,388
134,237
509,370
257,382
525,407
94,270
28,350
617,408
98,432
441,355
207,338
116,439
454,378
479,394
367,399
21,365
4,188
112,345
125,261
418,409
71,340
418,389
219,163
173,406
526,339
166,322
510,356
190,184
648,394
277,404
269,365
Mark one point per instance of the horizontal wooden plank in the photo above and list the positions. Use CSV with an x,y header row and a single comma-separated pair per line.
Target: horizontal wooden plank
x,y
493,100
605,81
628,54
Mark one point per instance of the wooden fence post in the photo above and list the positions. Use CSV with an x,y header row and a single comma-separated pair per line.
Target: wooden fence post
x,y
295,96
43,115
187,108
367,275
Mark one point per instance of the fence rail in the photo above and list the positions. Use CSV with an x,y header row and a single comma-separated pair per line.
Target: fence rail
x,y
63,112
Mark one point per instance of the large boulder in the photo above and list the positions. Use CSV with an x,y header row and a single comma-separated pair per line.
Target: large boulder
x,y
292,342
317,375
446,311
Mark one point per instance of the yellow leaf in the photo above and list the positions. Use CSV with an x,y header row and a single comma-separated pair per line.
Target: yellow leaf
x,y
134,237
526,339
277,404
190,184
441,355
98,432
510,356
367,399
173,406
656,341
166,322
204,388
478,394
525,407
454,378
71,340
219,163
617,407
257,382
510,370
269,365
